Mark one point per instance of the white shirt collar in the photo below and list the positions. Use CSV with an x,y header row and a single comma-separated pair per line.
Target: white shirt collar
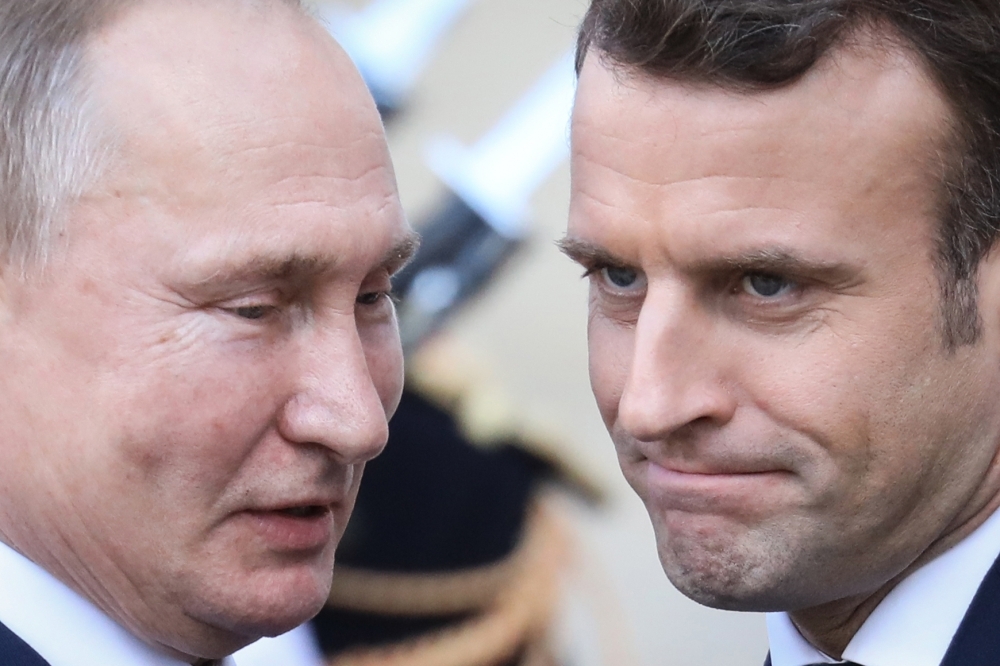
x,y
298,647
914,624
60,625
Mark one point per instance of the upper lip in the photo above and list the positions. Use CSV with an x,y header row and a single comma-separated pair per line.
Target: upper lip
x,y
324,502
708,469
708,465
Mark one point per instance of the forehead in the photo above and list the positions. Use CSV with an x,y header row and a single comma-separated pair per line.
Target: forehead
x,y
243,121
866,122
206,80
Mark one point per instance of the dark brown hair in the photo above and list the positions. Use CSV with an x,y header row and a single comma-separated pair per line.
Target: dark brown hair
x,y
760,44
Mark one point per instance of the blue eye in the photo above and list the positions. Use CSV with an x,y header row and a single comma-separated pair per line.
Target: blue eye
x,y
765,285
620,277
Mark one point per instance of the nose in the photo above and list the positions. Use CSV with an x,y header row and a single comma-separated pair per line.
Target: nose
x,y
338,401
677,380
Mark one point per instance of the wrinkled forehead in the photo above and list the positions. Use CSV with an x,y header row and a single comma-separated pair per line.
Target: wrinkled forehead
x,y
178,72
201,84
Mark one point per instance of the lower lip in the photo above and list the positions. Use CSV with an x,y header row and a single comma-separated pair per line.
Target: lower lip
x,y
287,533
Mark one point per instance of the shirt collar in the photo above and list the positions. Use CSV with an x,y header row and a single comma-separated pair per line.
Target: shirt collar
x,y
914,624
60,625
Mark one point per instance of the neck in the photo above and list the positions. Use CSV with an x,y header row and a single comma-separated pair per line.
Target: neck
x,y
830,627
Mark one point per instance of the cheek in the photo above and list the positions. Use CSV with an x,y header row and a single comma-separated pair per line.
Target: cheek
x,y
192,418
808,388
610,363
862,409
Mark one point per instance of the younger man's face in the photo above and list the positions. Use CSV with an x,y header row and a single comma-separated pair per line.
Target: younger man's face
x,y
765,338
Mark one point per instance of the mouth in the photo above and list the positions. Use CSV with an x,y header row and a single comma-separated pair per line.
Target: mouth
x,y
711,489
297,528
309,511
706,473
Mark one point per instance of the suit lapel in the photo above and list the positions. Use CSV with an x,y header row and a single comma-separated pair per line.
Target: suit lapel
x,y
16,652
977,641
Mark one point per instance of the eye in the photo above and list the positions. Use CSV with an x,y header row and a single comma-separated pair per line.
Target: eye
x,y
766,285
252,311
370,297
617,278
620,277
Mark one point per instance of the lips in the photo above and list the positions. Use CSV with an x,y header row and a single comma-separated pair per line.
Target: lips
x,y
731,469
711,458
293,528
710,489
309,511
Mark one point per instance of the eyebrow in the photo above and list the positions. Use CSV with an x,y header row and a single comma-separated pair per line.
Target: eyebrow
x,y
586,253
777,260
401,253
781,261
300,268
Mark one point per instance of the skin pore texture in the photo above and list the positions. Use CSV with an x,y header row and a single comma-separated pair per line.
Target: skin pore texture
x,y
194,382
765,336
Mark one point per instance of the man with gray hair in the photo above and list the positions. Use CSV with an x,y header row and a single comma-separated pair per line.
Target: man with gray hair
x,y
199,225
789,213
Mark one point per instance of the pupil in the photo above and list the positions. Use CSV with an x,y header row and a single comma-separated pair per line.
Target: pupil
x,y
767,285
621,277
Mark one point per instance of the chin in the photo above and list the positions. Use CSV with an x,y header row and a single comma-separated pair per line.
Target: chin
x,y
728,574
265,605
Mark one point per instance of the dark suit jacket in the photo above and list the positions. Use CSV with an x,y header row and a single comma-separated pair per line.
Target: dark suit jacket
x,y
15,652
977,641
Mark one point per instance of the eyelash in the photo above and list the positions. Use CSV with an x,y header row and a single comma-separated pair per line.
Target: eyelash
x,y
736,283
789,285
256,312
376,297
253,312
594,270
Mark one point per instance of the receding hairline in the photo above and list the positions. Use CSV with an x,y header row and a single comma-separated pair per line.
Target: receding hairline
x,y
57,138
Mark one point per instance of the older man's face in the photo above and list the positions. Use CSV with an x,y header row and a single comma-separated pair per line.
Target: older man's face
x,y
765,337
191,389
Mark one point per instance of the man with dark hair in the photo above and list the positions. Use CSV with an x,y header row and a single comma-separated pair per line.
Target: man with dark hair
x,y
199,225
788,211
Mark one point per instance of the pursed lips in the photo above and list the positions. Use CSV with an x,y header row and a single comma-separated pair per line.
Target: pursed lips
x,y
698,468
705,484
707,461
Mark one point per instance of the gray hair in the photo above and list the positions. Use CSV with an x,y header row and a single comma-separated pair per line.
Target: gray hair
x,y
53,145
49,148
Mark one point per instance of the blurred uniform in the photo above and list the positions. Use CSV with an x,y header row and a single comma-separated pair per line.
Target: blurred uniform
x,y
452,556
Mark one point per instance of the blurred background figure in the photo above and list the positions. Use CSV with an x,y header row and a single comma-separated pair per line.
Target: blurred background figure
x,y
495,529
